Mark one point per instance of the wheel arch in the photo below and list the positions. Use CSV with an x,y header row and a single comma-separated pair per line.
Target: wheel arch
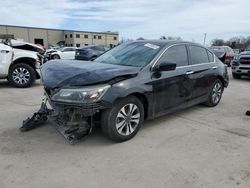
x,y
55,54
222,81
144,101
29,61
141,97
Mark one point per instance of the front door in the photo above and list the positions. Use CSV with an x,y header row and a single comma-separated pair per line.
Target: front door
x,y
6,55
172,88
68,53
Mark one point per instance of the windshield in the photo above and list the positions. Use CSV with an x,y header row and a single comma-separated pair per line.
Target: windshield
x,y
136,54
215,48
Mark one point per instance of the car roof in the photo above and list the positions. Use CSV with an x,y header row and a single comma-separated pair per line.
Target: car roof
x,y
69,47
165,43
90,46
220,46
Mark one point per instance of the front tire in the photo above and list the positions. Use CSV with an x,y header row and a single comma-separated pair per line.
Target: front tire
x,y
21,75
215,94
55,57
123,121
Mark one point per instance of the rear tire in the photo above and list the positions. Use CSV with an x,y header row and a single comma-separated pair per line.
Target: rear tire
x,y
215,94
236,76
55,57
21,75
123,121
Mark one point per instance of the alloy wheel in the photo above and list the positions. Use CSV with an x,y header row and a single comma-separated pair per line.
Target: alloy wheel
x,y
21,75
128,119
217,92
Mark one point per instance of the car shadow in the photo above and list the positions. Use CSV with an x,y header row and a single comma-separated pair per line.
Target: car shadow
x,y
245,78
6,84
47,139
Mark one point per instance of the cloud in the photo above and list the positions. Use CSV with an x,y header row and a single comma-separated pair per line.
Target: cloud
x,y
189,19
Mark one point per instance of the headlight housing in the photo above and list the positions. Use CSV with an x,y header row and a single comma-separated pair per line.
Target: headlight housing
x,y
81,95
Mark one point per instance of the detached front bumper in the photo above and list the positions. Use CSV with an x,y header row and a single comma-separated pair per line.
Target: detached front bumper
x,y
73,121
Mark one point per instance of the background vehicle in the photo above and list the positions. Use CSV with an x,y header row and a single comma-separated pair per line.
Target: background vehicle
x,y
62,53
247,48
18,65
236,51
90,52
224,53
132,82
241,65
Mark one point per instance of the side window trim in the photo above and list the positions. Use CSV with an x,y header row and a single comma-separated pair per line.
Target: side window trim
x,y
208,51
166,49
189,45
189,56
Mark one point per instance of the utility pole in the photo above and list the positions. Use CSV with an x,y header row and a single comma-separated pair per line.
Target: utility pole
x,y
205,36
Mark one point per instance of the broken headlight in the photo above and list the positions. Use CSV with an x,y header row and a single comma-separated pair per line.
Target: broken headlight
x,y
80,95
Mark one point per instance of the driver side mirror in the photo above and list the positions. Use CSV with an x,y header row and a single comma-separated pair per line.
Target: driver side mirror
x,y
166,66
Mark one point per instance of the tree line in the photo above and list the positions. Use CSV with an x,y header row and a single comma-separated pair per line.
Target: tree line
x,y
234,42
239,42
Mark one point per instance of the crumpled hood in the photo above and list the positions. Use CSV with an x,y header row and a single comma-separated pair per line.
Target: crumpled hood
x,y
63,73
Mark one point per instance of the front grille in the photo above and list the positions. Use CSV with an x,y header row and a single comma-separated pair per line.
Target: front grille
x,y
244,68
86,109
84,106
245,60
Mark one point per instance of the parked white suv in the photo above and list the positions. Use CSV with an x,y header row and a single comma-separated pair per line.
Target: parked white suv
x,y
19,63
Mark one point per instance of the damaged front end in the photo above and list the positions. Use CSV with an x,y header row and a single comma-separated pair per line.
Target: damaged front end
x,y
74,95
70,111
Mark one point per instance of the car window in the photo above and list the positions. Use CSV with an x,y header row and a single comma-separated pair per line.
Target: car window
x,y
98,48
106,48
136,54
210,56
226,49
198,55
230,50
65,50
176,54
217,49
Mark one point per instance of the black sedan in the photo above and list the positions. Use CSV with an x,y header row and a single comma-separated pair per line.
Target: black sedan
x,y
128,84
89,53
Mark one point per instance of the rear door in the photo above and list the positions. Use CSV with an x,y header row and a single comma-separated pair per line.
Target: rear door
x,y
172,88
204,68
71,54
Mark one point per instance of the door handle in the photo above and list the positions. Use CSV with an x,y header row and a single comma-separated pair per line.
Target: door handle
x,y
189,72
215,67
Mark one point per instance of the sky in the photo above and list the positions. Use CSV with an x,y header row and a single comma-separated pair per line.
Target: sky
x,y
150,19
